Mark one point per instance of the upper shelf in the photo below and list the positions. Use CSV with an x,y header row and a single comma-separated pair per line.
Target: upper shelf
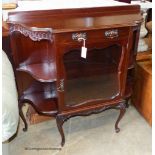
x,y
44,72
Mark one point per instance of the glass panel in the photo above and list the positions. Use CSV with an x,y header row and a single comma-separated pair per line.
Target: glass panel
x,y
95,77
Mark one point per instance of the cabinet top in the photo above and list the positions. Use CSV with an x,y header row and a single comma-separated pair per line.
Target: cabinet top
x,y
61,4
76,15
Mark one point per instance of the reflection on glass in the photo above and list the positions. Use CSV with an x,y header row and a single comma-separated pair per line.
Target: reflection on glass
x,y
95,77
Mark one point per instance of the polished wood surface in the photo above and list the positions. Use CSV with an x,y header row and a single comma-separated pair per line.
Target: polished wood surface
x,y
142,95
142,56
50,71
77,19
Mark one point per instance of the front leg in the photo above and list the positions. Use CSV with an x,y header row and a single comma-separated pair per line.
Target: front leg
x,y
60,121
127,102
20,105
122,107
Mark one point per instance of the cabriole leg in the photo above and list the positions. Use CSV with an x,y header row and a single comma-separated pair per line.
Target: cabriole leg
x,y
122,108
60,121
22,116
127,102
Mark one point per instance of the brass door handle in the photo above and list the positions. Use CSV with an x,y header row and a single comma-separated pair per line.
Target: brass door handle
x,y
111,33
76,36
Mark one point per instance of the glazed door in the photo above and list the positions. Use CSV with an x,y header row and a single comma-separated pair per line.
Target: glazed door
x,y
98,77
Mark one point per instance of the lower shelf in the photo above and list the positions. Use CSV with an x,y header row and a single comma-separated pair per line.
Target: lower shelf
x,y
42,104
42,96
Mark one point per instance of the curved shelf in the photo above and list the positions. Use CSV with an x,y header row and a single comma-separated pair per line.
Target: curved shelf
x,y
44,72
42,97
42,105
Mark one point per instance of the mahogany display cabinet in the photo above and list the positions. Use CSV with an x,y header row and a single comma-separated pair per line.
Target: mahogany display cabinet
x,y
57,78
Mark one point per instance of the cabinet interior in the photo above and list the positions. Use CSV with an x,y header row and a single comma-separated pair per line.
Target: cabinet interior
x,y
92,78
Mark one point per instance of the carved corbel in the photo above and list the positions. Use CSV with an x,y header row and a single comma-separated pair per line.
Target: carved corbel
x,y
34,33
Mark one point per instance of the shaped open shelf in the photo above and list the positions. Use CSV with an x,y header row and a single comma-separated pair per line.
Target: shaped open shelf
x,y
43,96
43,72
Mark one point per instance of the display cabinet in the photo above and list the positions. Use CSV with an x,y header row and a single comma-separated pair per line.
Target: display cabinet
x,y
76,62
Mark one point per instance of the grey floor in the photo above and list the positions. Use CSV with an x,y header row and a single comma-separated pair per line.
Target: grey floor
x,y
91,135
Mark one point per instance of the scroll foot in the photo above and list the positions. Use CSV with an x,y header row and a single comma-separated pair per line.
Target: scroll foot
x,y
117,129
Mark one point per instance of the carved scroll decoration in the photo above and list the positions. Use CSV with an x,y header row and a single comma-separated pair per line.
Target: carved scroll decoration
x,y
34,33
61,86
121,105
